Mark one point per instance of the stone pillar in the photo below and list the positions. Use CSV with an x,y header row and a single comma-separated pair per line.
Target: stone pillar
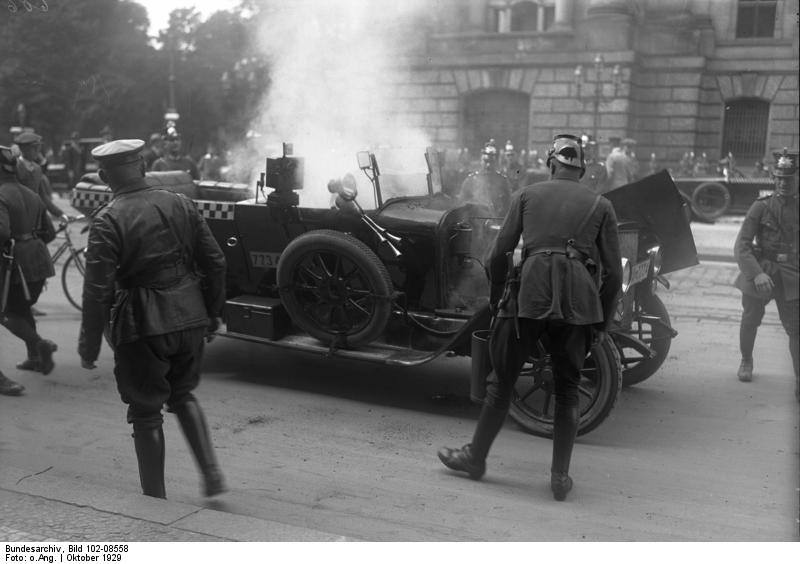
x,y
563,16
609,25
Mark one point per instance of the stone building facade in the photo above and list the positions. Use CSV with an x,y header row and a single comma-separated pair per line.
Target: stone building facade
x,y
677,75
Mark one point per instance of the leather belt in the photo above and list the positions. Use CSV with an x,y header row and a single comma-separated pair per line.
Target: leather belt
x,y
24,237
549,251
779,257
164,278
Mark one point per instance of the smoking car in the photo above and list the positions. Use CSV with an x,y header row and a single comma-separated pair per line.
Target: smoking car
x,y
403,283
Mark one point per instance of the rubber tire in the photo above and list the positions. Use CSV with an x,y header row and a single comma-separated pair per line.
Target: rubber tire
x,y
354,250
652,305
700,192
592,415
70,265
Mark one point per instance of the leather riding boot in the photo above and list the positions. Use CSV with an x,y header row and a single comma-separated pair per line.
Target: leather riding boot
x,y
745,373
794,348
193,424
9,387
565,428
471,458
32,362
149,443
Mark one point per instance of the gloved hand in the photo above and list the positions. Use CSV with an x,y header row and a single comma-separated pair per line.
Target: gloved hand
x,y
213,326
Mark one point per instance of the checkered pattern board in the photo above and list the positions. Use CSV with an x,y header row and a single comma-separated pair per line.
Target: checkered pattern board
x,y
210,209
85,199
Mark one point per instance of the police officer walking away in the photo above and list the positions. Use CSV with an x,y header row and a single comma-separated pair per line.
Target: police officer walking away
x,y
767,252
153,246
561,297
25,264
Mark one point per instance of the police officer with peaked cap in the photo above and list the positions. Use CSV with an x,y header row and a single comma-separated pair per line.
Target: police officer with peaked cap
x,y
561,296
153,247
488,186
767,252
25,265
31,174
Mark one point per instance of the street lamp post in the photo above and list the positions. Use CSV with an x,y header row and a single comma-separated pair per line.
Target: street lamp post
x,y
171,114
597,95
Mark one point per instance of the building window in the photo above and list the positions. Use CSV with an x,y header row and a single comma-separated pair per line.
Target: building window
x,y
744,130
756,18
525,15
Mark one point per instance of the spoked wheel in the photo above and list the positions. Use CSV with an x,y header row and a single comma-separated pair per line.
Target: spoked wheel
x,y
650,325
533,400
710,200
72,275
335,288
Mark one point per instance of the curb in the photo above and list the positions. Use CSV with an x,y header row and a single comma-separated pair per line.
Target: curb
x,y
223,525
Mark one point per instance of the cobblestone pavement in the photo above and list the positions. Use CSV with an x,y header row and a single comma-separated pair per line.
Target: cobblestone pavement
x,y
27,518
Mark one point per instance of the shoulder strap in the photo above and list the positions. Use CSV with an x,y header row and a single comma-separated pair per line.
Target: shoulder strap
x,y
588,215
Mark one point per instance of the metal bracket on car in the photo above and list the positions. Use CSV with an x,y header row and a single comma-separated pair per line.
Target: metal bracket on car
x,y
654,320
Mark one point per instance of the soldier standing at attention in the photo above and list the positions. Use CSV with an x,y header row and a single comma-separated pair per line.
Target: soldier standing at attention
x,y
31,174
488,186
25,264
172,159
562,224
767,252
147,251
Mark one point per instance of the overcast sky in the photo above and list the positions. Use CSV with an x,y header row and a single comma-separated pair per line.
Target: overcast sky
x,y
158,10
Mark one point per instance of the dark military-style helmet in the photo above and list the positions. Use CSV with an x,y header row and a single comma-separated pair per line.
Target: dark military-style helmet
x,y
568,150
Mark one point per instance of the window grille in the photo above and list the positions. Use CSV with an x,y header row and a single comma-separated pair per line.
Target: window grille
x,y
745,129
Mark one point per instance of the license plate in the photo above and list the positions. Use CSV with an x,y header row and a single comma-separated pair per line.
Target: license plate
x,y
640,271
264,260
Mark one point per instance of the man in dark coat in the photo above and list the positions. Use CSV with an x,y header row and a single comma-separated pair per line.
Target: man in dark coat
x,y
173,159
767,252
562,296
148,251
31,174
25,231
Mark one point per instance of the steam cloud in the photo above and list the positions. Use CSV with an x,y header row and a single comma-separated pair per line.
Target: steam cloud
x,y
333,67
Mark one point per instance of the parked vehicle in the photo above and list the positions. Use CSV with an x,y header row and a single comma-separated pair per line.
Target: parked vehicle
x,y
403,283
711,197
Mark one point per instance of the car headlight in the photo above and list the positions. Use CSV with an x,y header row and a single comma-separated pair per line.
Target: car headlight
x,y
627,274
655,260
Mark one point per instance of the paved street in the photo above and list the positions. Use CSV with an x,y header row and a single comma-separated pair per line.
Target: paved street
x,y
320,451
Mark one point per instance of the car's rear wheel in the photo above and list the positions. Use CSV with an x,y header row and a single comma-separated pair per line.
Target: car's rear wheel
x,y
710,200
533,399
335,288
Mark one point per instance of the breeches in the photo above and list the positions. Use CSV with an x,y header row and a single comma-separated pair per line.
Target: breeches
x,y
158,370
568,346
788,311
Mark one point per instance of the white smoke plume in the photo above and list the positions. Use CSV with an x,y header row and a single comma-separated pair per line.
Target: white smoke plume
x,y
333,67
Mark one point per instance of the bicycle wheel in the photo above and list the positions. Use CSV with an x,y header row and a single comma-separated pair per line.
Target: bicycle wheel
x,y
72,277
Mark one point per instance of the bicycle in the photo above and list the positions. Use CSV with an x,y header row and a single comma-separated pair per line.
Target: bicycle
x,y
74,269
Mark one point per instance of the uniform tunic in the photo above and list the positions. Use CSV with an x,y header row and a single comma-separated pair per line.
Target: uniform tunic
x,y
555,287
22,214
488,188
181,163
769,232
152,245
31,175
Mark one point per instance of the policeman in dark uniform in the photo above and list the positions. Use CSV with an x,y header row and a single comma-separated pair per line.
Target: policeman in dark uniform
x,y
31,174
487,186
767,252
596,175
172,159
560,297
148,251
25,263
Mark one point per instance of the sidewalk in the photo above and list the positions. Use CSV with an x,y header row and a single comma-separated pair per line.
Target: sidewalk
x,y
44,508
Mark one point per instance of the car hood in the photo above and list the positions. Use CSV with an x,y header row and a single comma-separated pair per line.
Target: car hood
x,y
656,205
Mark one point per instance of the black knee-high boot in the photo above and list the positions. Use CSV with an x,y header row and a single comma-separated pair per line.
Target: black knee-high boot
x,y
471,458
149,443
193,424
565,429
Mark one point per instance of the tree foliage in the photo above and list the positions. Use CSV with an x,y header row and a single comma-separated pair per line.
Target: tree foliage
x,y
84,64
